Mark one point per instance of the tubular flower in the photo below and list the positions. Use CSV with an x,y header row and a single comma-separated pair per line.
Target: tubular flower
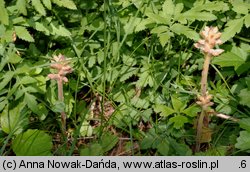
x,y
62,66
211,38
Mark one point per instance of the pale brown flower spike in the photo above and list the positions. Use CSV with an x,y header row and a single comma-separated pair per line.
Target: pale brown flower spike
x,y
210,38
61,65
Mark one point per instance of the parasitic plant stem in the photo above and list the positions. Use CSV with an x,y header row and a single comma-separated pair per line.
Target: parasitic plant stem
x,y
211,37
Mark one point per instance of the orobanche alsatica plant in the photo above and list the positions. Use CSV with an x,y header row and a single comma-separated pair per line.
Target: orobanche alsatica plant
x,y
61,64
210,38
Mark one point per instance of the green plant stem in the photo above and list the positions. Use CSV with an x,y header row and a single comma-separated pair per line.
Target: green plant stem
x,y
203,114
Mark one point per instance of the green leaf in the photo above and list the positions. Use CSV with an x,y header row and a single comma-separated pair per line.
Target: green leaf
x,y
47,4
232,27
168,7
92,61
178,105
178,121
32,143
13,58
243,141
27,80
191,111
108,141
39,7
22,33
247,20
229,59
59,106
86,129
163,110
93,150
181,29
164,38
65,3
13,120
4,17
163,147
60,30
31,102
240,7
245,124
245,97
200,16
6,79
21,6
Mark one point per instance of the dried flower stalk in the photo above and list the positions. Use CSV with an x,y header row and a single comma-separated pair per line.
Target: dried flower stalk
x,y
210,38
61,65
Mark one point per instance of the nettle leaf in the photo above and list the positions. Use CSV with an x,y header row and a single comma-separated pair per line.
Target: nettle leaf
x,y
32,143
232,27
21,6
163,110
243,141
39,7
245,97
4,17
23,33
65,3
47,4
178,121
247,20
229,59
181,29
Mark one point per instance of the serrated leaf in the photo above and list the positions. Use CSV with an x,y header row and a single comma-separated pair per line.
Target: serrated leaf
x,y
178,121
164,38
163,110
47,4
65,3
59,106
212,6
92,61
60,30
160,29
23,33
31,102
232,27
240,7
243,141
7,77
181,29
157,18
32,143
4,17
168,7
229,59
27,80
177,104
245,124
41,27
14,58
39,7
200,16
245,97
247,20
191,111
21,6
